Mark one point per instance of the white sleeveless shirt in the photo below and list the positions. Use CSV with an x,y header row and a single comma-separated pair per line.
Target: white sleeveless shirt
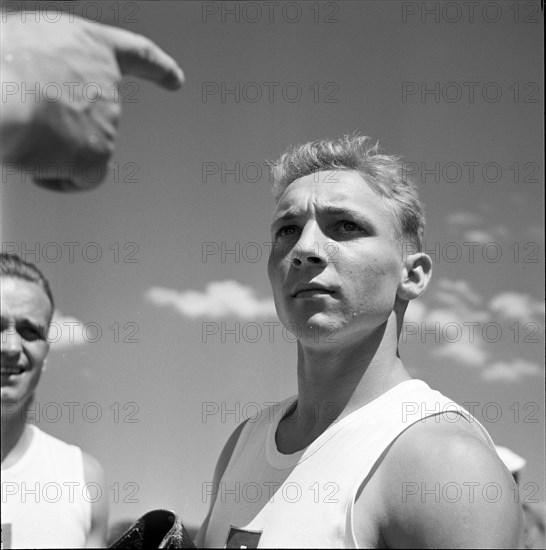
x,y
45,500
267,499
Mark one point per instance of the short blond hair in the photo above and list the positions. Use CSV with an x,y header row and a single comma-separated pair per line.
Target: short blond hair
x,y
383,173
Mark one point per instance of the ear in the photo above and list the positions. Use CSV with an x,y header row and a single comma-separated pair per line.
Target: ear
x,y
415,276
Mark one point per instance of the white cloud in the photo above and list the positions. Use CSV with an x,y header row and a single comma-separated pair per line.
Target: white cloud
x,y
456,321
462,219
511,371
415,313
220,299
66,331
444,316
514,305
474,228
478,236
484,236
452,292
472,354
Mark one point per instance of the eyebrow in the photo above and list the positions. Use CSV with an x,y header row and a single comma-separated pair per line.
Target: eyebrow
x,y
24,322
339,211
289,214
342,211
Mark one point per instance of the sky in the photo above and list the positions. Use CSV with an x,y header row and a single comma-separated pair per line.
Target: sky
x,y
166,337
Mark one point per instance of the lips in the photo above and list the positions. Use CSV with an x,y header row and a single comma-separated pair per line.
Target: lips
x,y
308,289
7,371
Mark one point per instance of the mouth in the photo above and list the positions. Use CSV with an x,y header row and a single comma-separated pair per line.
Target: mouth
x,y
10,371
310,290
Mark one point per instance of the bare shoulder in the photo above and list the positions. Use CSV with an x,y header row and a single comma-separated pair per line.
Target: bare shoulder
x,y
440,484
93,470
221,465
227,451
94,474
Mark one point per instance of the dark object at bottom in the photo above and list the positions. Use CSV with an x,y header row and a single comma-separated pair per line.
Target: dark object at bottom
x,y
155,529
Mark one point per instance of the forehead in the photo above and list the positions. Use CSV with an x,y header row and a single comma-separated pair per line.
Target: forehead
x,y
328,190
24,299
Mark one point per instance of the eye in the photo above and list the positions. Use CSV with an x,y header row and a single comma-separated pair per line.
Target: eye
x,y
286,231
30,333
350,227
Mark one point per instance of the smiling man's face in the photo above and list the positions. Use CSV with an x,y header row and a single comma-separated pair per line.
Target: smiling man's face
x,y
26,312
336,263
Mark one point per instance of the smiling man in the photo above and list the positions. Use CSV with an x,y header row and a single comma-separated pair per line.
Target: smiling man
x,y
363,455
45,503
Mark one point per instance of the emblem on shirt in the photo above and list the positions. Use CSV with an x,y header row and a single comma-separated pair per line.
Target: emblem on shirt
x,y
242,538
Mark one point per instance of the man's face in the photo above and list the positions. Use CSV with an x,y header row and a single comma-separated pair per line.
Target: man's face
x,y
336,264
26,312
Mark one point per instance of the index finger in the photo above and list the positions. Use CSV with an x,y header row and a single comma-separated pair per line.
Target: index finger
x,y
139,56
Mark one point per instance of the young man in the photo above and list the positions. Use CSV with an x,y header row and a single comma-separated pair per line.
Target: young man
x,y
363,455
45,503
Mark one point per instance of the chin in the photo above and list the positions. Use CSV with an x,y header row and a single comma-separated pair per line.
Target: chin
x,y
11,397
316,329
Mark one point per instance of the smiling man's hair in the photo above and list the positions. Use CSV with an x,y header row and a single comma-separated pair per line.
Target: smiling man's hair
x,y
12,266
384,174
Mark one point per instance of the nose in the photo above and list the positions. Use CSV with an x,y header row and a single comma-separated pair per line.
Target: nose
x,y
11,342
309,250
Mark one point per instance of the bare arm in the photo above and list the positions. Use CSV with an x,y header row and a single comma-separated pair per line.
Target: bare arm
x,y
221,466
60,95
99,510
443,487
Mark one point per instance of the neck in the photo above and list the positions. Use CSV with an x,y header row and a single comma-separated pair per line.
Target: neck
x,y
12,428
334,381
